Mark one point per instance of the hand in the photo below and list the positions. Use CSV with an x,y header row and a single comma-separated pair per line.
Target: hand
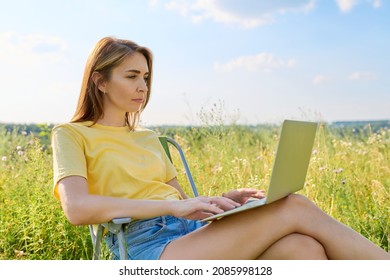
x,y
202,207
242,195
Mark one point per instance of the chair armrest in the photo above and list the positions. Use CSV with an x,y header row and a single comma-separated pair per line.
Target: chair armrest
x,y
120,221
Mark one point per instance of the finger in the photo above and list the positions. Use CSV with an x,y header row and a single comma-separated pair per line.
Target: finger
x,y
225,203
250,191
233,202
259,194
247,190
199,215
213,208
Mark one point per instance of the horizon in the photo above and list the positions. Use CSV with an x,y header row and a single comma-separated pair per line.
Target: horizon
x,y
336,122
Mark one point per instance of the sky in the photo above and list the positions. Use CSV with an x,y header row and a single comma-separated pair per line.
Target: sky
x,y
247,62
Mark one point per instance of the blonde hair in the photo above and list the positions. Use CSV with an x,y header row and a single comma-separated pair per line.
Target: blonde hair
x,y
108,53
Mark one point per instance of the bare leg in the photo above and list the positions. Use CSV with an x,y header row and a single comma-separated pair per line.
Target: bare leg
x,y
248,235
295,247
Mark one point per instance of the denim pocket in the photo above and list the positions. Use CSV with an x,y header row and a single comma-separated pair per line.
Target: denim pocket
x,y
146,237
112,244
145,232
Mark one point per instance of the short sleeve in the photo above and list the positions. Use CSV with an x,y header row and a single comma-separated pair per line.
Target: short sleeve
x,y
68,155
171,170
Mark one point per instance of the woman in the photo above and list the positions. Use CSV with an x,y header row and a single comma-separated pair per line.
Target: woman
x,y
107,167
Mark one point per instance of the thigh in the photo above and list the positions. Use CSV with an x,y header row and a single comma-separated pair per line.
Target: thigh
x,y
245,235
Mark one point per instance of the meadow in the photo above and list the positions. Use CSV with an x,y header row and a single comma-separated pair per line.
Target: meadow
x,y
349,178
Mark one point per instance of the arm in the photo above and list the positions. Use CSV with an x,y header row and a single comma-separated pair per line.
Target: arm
x,y
174,183
82,208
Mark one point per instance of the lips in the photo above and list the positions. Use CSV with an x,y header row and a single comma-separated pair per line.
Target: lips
x,y
138,100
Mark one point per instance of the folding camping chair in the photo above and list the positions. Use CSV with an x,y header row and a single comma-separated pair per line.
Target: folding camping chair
x,y
118,225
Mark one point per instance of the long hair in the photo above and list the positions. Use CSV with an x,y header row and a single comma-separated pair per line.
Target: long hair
x,y
108,53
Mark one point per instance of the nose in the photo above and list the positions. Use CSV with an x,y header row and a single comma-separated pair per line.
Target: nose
x,y
143,86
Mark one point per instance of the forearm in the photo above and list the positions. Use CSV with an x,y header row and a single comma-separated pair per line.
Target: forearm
x,y
95,209
81,207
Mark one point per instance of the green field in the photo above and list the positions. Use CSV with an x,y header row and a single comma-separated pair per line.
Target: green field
x,y
349,178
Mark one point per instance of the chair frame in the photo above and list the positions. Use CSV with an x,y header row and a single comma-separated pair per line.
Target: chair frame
x,y
118,225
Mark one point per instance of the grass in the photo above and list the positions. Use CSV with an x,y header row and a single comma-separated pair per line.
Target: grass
x,y
349,178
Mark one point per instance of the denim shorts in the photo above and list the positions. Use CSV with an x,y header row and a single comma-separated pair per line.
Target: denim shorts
x,y
147,239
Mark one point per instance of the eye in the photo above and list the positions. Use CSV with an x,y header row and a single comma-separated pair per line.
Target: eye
x,y
131,77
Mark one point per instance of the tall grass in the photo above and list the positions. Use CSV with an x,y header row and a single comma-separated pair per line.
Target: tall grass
x,y
349,178
31,223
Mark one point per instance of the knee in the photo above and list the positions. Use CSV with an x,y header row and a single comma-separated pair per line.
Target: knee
x,y
300,201
297,198
303,247
298,210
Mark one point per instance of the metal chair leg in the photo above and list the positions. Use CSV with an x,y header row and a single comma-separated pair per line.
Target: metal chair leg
x,y
97,242
122,244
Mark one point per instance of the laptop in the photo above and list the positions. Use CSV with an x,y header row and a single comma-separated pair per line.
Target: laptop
x,y
290,165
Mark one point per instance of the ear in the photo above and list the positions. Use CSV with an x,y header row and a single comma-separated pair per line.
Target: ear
x,y
98,80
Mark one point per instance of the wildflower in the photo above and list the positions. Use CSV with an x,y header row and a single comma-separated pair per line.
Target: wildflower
x,y
18,148
337,171
216,169
19,253
315,152
343,182
24,132
4,158
323,168
20,153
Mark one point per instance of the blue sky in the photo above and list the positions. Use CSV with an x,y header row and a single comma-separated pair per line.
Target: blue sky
x,y
246,61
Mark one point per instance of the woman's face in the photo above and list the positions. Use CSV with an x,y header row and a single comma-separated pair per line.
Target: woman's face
x,y
126,89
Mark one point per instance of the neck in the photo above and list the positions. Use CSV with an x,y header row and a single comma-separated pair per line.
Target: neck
x,y
112,122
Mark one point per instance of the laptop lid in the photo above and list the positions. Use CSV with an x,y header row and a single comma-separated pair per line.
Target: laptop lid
x,y
292,159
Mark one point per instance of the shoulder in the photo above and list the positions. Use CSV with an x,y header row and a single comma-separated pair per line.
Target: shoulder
x,y
72,126
145,131
70,130
147,135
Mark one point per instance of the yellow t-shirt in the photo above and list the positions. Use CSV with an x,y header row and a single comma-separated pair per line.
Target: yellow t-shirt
x,y
114,160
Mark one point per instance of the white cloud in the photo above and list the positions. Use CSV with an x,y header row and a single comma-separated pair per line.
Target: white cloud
x,y
360,75
263,61
347,5
34,72
16,49
376,3
153,3
249,15
320,79
182,6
